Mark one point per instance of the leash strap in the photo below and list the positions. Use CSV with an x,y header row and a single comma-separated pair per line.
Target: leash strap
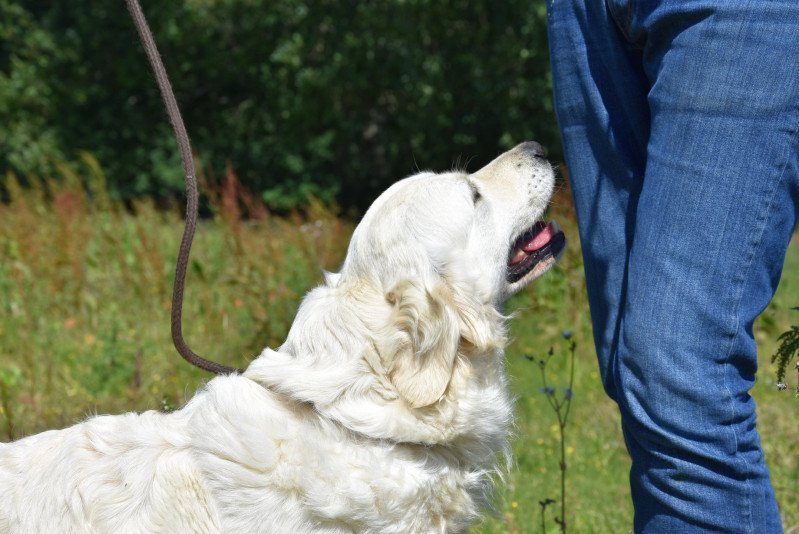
x,y
186,158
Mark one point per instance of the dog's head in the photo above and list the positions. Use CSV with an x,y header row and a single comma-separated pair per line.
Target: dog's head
x,y
406,341
483,229
446,250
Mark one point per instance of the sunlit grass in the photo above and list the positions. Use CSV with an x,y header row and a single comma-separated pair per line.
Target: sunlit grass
x,y
85,295
85,286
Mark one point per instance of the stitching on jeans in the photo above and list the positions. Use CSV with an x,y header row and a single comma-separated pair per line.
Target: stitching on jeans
x,y
624,26
615,17
766,213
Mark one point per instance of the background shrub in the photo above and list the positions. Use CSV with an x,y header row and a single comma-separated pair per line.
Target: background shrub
x,y
321,97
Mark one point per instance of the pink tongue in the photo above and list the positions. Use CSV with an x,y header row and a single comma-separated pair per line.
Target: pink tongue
x,y
540,240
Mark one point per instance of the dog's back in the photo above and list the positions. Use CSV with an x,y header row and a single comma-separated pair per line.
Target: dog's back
x,y
105,475
237,458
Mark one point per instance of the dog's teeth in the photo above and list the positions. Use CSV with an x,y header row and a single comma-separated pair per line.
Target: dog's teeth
x,y
517,257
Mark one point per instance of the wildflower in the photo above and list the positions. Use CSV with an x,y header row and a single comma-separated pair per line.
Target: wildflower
x,y
568,393
567,334
549,390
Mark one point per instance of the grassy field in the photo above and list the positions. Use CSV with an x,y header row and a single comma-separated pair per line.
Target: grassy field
x,y
85,289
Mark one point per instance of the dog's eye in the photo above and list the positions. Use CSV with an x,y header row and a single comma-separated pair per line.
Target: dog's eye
x,y
476,195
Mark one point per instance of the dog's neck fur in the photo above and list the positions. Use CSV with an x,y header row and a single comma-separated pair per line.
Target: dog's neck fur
x,y
336,372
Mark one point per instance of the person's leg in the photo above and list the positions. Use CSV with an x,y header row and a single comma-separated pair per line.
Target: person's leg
x,y
706,226
713,222
600,100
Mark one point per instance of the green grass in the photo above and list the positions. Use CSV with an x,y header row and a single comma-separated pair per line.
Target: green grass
x,y
85,291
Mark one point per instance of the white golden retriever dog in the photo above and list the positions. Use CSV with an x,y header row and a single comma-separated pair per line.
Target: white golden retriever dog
x,y
386,409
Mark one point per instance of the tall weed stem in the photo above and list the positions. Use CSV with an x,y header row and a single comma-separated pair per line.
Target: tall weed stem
x,y
561,405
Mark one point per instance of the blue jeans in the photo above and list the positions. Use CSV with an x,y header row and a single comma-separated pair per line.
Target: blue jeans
x,y
679,121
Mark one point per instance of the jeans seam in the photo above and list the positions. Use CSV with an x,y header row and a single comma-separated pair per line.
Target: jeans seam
x,y
616,19
766,212
623,23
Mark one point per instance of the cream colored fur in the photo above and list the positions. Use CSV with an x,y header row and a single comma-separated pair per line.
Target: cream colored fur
x,y
385,411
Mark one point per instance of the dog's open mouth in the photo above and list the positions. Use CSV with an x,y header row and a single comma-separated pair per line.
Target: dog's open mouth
x,y
535,251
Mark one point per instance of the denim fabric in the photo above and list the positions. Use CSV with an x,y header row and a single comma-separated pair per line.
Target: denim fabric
x,y
679,121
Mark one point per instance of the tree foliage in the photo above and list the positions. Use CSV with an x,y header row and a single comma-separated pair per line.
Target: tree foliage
x,y
331,98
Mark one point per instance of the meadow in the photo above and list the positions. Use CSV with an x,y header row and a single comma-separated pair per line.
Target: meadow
x,y
85,288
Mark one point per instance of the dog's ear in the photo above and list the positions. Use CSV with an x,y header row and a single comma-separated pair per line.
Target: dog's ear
x,y
481,325
425,338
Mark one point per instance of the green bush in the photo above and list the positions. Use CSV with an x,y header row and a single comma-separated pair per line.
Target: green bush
x,y
324,98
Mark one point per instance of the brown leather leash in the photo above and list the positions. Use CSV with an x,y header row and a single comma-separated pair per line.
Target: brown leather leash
x,y
191,192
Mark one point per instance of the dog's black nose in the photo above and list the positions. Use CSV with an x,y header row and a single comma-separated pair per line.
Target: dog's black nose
x,y
533,148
